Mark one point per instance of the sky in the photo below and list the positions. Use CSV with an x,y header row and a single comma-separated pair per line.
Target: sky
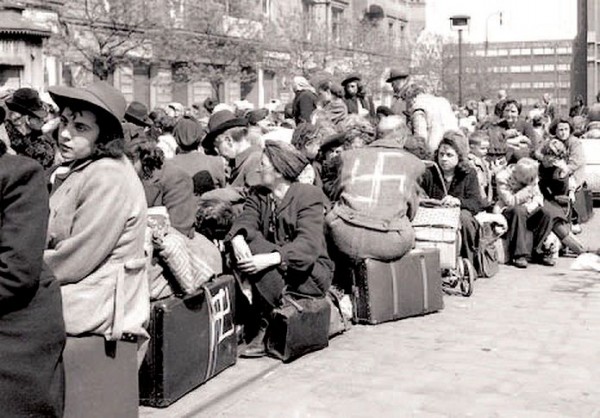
x,y
522,20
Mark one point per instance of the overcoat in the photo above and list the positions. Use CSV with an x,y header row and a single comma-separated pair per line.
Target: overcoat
x,y
32,331
296,229
95,247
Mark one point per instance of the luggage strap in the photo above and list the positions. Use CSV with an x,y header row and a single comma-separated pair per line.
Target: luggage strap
x,y
425,282
212,346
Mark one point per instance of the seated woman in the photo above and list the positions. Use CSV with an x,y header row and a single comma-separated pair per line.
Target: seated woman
x,y
554,182
512,137
165,184
573,165
461,184
522,204
279,241
95,244
32,330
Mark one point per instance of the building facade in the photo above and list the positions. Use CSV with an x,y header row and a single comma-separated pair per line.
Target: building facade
x,y
330,27
526,70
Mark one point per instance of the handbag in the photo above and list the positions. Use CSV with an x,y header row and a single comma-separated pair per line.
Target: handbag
x,y
299,326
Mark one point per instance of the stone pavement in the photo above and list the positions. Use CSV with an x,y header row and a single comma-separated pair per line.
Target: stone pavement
x,y
526,344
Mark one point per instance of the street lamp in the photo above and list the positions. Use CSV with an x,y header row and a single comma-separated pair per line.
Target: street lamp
x,y
459,23
487,21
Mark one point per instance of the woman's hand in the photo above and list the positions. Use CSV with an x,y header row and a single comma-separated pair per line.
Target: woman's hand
x,y
562,168
450,201
259,262
241,251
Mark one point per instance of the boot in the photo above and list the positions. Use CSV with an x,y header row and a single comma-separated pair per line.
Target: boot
x,y
573,244
256,347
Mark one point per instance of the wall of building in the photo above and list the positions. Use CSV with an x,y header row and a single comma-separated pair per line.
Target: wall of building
x,y
527,70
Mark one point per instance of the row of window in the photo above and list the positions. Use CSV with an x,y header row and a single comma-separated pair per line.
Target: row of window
x,y
537,68
539,85
531,101
501,52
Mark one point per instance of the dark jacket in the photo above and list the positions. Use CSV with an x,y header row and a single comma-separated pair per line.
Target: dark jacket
x,y
298,231
304,104
464,186
173,188
365,102
195,161
499,145
32,331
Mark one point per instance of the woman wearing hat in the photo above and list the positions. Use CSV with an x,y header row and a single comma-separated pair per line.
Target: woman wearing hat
x,y
95,244
279,238
355,97
32,330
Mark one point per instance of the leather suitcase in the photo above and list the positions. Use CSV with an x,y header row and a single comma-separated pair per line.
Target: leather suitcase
x,y
192,340
387,291
299,327
101,378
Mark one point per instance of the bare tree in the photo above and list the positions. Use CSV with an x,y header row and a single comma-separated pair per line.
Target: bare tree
x,y
210,41
99,35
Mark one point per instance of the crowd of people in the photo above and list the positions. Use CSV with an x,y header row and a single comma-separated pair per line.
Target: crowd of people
x,y
278,196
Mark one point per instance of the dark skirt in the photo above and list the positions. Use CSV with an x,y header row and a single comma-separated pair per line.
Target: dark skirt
x,y
31,343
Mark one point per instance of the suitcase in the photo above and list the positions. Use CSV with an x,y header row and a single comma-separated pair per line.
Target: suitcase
x,y
192,340
101,378
387,291
298,327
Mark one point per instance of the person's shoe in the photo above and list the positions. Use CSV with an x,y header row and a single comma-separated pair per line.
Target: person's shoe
x,y
520,262
547,260
576,229
256,347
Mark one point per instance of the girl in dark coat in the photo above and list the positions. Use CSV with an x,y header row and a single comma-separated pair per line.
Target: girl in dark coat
x,y
279,240
305,100
32,331
460,181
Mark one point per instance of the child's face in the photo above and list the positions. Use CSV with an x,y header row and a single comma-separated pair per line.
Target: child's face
x,y
480,149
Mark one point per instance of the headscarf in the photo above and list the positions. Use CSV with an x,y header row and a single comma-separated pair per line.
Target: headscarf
x,y
301,84
188,133
286,159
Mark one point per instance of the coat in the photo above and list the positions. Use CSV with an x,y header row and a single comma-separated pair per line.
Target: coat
x,y
511,193
378,186
244,173
32,330
95,247
303,105
430,117
365,102
464,186
298,234
193,162
171,187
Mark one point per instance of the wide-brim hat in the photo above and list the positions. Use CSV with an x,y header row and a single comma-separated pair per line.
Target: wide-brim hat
x,y
220,122
333,141
351,78
397,74
26,101
137,113
99,95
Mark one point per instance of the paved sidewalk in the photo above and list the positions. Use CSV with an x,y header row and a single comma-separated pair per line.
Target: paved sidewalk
x,y
526,344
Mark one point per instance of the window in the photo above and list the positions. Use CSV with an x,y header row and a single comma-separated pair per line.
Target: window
x,y
307,18
548,67
562,50
538,51
525,51
266,7
502,52
480,53
515,51
492,53
526,85
564,84
538,68
336,23
520,68
548,51
564,67
391,34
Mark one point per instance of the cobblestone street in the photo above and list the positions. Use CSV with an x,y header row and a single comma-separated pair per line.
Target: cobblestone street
x,y
524,345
